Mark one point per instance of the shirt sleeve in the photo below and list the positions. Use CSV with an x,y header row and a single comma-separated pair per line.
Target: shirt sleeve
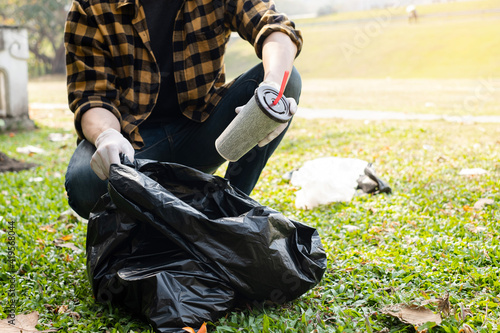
x,y
90,79
255,20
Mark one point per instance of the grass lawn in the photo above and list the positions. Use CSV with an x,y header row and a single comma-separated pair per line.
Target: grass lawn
x,y
465,47
424,241
445,65
399,9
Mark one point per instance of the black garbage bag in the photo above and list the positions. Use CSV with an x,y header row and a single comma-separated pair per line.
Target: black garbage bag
x,y
179,246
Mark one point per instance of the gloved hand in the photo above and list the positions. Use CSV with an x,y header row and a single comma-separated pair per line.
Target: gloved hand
x,y
274,134
109,144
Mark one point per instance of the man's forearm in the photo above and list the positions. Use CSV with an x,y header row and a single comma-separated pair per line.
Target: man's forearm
x,y
278,54
97,120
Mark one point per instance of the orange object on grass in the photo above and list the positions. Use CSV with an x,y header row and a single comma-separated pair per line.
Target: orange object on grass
x,y
203,329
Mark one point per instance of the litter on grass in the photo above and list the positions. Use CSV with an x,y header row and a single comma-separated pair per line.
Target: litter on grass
x,y
334,179
412,314
483,202
22,323
472,172
58,137
30,150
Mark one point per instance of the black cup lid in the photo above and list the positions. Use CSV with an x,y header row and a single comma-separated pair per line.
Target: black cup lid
x,y
265,97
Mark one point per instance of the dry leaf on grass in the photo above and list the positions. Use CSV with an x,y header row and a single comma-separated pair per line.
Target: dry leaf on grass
x,y
412,314
22,324
466,329
203,329
69,245
48,228
475,228
70,214
443,304
483,202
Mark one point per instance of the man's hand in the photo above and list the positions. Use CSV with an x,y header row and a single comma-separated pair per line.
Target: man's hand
x,y
110,144
274,134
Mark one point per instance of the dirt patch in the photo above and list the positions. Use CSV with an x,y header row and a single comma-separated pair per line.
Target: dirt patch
x,y
8,164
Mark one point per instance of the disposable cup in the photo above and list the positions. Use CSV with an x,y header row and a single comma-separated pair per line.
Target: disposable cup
x,y
258,118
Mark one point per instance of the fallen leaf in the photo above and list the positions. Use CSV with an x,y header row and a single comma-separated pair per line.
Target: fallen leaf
x,y
476,228
466,329
69,245
47,227
203,329
70,214
375,230
412,314
22,324
467,208
75,315
483,202
62,309
443,303
67,258
67,237
485,252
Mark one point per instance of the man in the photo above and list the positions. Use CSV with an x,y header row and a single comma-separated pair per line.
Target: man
x,y
412,13
146,79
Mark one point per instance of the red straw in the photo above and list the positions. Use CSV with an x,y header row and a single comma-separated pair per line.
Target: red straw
x,y
282,89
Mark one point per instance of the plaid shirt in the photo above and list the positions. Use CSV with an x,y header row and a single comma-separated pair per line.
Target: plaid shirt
x,y
110,63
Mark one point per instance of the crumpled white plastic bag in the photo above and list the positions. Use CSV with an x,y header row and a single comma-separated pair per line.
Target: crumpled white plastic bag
x,y
326,180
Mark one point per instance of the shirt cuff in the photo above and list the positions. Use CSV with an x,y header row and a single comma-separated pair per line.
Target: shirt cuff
x,y
88,103
295,36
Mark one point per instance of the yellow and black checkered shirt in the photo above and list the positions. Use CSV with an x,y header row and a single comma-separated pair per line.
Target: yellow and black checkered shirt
x,y
110,63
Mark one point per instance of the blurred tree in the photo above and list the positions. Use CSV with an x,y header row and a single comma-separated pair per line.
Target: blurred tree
x,y
44,20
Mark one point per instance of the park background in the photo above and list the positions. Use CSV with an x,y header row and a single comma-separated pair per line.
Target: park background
x,y
430,243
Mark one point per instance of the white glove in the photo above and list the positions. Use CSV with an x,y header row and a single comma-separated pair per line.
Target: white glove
x,y
274,134
110,144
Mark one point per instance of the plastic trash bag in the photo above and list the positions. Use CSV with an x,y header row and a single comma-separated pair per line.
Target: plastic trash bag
x,y
334,179
179,247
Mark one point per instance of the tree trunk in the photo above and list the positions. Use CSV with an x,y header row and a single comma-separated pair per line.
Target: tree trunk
x,y
59,61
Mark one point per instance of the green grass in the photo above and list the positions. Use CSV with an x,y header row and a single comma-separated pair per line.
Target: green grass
x,y
435,48
421,242
418,243
400,10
